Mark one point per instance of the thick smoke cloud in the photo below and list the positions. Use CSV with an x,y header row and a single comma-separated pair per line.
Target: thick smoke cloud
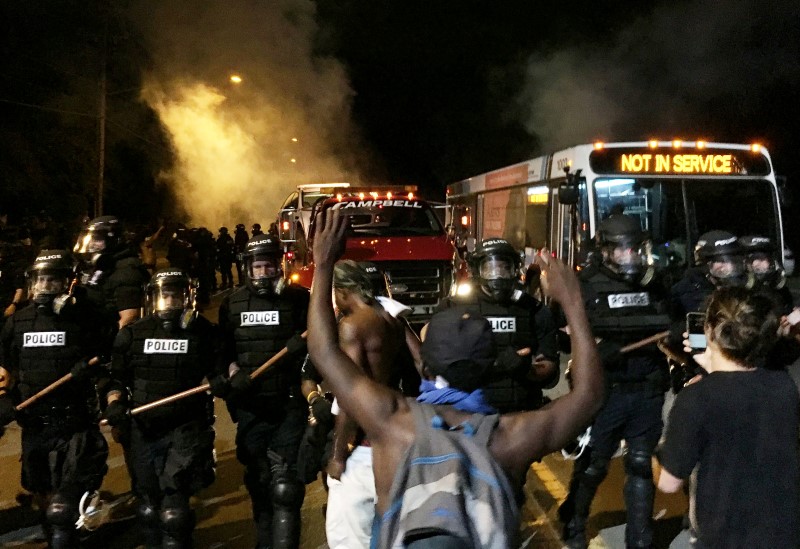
x,y
682,70
237,157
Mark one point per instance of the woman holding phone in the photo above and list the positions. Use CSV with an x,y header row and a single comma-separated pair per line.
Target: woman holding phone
x,y
734,432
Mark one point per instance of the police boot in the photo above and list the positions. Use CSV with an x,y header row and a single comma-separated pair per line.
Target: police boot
x,y
61,516
177,522
257,481
639,493
574,512
287,499
149,524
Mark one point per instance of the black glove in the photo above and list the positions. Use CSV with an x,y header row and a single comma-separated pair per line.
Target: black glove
x,y
609,353
321,409
7,411
296,344
239,383
510,363
220,386
82,370
117,413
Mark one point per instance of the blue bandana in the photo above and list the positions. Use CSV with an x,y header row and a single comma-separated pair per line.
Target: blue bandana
x,y
474,402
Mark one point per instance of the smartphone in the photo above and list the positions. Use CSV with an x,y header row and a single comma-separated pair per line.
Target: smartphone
x,y
695,324
794,317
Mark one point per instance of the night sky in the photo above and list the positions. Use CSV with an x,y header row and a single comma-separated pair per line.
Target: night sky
x,y
401,92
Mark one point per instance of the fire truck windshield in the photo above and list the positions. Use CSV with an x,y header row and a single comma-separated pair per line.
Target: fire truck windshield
x,y
668,208
409,218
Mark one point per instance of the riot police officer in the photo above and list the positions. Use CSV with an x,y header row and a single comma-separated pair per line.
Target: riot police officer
x,y
63,451
625,304
518,321
169,350
718,262
257,321
225,256
767,274
240,239
769,279
112,278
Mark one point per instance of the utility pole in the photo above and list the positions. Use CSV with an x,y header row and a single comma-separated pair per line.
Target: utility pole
x,y
101,120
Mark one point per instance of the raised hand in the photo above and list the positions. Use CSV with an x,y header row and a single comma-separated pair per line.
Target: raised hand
x,y
329,237
557,280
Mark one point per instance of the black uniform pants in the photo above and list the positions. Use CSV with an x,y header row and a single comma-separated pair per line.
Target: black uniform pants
x,y
256,435
632,413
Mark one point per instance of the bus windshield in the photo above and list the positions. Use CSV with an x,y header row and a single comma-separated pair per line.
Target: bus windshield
x,y
668,209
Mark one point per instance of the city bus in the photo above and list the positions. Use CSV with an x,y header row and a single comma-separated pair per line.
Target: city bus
x,y
677,189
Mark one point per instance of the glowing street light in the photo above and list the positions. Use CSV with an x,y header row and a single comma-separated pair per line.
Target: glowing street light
x,y
236,79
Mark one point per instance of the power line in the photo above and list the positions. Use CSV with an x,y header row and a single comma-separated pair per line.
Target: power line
x,y
43,108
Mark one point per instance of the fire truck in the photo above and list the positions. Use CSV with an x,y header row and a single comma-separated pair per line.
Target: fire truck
x,y
678,190
390,226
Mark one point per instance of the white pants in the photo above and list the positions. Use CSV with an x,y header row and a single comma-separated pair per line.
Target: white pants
x,y
351,503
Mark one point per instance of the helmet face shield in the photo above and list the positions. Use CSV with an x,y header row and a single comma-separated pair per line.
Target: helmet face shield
x,y
169,294
170,301
47,284
262,272
90,242
627,258
495,268
761,264
726,267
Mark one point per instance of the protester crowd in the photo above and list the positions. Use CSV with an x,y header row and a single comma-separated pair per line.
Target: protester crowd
x,y
423,437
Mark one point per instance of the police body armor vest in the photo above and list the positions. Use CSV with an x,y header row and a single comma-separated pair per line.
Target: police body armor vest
x,y
625,313
513,325
262,326
49,346
164,363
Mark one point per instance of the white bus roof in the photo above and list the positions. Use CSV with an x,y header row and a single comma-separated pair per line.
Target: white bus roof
x,y
534,170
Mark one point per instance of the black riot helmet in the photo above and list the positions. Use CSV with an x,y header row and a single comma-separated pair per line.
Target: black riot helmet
x,y
495,265
240,226
170,296
760,260
257,229
101,236
262,257
377,278
223,230
360,277
625,248
720,255
49,276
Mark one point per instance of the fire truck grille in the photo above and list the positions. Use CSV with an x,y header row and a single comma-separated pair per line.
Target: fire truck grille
x,y
419,284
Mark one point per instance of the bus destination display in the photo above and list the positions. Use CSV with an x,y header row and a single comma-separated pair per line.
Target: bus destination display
x,y
673,162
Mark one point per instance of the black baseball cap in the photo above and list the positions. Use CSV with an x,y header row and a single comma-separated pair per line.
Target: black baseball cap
x,y
459,346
